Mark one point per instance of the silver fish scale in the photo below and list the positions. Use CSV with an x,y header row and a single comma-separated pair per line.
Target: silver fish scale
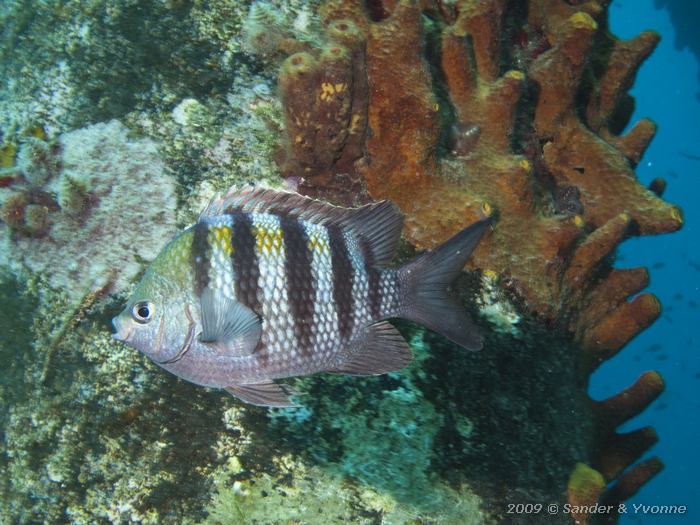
x,y
324,330
360,283
280,352
277,322
221,272
389,292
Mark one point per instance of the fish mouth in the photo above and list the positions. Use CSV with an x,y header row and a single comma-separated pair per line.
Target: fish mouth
x,y
123,332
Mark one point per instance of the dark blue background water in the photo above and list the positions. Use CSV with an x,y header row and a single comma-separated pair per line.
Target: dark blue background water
x,y
666,90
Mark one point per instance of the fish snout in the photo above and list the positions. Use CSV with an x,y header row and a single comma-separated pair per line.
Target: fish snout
x,y
123,330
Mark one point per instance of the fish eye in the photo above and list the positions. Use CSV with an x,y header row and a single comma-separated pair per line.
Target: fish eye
x,y
143,312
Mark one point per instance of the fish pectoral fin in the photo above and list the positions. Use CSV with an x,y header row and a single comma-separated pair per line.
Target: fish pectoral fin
x,y
227,325
378,350
268,394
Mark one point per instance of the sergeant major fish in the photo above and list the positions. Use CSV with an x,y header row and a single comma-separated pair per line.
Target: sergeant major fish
x,y
269,285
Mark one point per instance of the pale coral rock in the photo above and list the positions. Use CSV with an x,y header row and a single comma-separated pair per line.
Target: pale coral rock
x,y
131,210
496,308
185,112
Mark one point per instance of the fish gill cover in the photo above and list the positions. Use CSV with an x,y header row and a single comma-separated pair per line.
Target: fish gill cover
x,y
450,110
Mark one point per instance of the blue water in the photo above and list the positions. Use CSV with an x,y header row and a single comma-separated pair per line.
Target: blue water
x,y
665,91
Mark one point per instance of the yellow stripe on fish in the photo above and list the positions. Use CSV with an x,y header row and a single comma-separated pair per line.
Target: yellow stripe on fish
x,y
268,239
318,244
220,236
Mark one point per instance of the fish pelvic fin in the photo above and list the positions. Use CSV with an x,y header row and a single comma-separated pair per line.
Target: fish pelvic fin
x,y
378,350
423,287
265,394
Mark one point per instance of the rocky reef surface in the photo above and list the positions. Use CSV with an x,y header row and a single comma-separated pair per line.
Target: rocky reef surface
x,y
119,121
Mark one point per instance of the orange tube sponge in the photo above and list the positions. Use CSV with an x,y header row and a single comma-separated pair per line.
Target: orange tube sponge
x,y
456,111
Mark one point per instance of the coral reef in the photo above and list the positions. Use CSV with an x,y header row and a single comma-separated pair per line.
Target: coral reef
x,y
106,438
452,109
268,33
486,107
67,65
213,144
77,63
87,210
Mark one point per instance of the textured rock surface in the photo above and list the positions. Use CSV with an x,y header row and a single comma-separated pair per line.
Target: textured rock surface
x,y
108,199
453,110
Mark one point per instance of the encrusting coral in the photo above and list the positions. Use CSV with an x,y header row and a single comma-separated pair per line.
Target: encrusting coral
x,y
84,200
482,108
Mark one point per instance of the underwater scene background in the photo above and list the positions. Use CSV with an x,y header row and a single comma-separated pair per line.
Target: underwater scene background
x,y
120,120
669,345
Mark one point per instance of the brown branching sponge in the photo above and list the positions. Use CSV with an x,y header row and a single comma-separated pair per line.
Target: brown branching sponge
x,y
482,107
326,133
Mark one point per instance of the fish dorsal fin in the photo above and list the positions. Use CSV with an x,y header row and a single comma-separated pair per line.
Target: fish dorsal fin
x,y
267,394
380,349
376,226
228,326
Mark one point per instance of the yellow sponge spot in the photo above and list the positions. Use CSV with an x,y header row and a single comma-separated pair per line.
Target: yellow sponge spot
x,y
585,484
677,216
38,132
490,274
583,20
486,209
514,74
355,123
578,221
526,166
327,91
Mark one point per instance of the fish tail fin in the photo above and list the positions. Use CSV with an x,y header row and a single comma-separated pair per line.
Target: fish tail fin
x,y
424,282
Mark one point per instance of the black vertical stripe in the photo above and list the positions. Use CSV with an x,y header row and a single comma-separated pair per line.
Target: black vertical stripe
x,y
245,262
301,288
374,292
200,255
343,276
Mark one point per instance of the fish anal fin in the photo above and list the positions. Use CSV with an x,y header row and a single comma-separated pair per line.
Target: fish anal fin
x,y
266,394
228,326
380,349
376,227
